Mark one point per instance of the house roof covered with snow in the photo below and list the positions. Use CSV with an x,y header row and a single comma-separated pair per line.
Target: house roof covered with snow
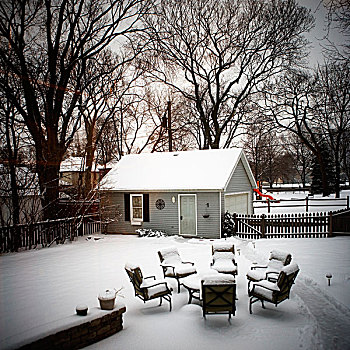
x,y
187,170
74,164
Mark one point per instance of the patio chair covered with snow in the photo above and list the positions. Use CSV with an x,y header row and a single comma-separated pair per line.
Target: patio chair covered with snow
x,y
218,295
148,288
274,292
173,266
224,260
277,261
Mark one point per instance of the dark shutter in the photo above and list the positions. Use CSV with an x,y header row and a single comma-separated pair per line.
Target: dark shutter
x,y
127,206
146,207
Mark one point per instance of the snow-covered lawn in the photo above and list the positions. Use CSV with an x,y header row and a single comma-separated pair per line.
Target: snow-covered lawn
x,y
39,289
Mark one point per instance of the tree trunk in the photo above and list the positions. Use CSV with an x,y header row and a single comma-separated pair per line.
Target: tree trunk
x,y
12,158
325,185
48,174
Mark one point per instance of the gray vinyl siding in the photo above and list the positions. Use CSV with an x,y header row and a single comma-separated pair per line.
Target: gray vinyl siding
x,y
167,219
239,182
208,227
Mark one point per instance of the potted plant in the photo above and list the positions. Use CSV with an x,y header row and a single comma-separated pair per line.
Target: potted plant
x,y
107,298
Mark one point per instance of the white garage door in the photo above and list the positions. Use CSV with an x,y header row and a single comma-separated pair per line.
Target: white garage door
x,y
237,203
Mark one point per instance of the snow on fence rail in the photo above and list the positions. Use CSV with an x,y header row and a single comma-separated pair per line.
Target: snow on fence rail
x,y
45,233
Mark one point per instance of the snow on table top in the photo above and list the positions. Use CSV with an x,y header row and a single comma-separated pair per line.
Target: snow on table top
x,y
187,170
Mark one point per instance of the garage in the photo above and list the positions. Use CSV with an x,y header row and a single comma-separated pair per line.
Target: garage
x,y
237,203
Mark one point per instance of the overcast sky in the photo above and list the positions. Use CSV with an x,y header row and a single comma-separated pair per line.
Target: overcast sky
x,y
317,35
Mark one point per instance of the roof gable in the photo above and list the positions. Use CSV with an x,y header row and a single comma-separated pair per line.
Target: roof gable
x,y
188,170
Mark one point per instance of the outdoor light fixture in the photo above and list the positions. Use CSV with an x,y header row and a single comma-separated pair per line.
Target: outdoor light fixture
x,y
173,199
329,276
238,251
253,244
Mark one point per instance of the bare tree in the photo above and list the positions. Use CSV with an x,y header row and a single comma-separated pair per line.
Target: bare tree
x,y
264,151
302,105
338,20
332,109
300,156
107,79
218,53
46,46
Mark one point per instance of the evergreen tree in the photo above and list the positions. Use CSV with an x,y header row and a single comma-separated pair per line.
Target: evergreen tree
x,y
316,176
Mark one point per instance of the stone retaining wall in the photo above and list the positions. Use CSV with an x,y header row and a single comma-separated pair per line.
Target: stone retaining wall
x,y
82,335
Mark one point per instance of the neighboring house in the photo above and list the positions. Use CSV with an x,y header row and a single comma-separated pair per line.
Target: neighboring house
x,y
28,194
72,173
185,193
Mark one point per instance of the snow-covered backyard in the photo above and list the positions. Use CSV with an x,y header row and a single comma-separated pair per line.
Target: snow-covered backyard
x,y
39,290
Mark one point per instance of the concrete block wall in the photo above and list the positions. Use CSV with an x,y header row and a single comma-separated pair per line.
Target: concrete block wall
x,y
83,334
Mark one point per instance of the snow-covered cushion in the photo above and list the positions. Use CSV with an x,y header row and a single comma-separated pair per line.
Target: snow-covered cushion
x,y
152,291
290,268
268,284
224,266
183,269
256,275
130,266
170,255
279,255
222,246
150,282
265,289
223,255
275,265
265,293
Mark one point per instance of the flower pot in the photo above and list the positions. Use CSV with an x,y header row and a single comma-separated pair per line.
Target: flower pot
x,y
107,304
107,299
81,310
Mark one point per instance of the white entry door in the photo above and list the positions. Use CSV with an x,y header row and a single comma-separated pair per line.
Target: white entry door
x,y
187,212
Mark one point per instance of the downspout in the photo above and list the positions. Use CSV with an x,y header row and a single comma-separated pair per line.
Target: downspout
x,y
220,214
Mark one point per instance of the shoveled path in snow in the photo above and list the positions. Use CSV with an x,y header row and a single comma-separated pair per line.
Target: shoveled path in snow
x,y
332,319
329,320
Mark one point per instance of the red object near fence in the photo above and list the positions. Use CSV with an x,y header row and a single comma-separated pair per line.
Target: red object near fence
x,y
263,195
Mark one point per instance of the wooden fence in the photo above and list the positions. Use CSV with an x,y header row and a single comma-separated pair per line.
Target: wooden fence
x,y
302,225
340,222
45,233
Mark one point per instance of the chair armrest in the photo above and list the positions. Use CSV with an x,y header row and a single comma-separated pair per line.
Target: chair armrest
x,y
272,276
267,285
164,267
155,284
258,267
154,277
